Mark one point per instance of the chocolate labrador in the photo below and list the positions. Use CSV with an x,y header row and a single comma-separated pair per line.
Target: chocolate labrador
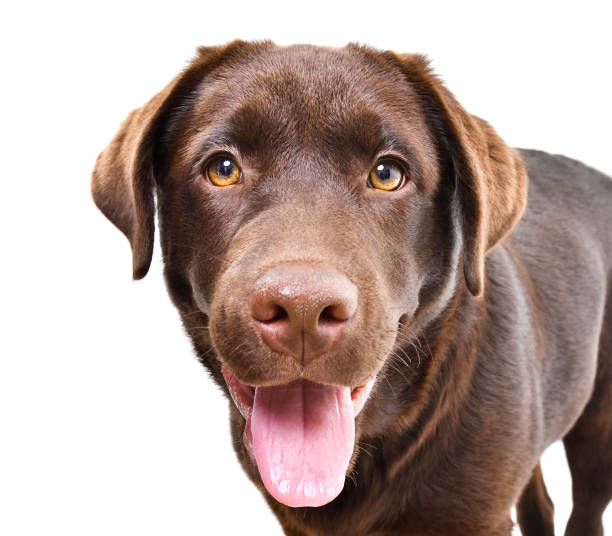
x,y
405,311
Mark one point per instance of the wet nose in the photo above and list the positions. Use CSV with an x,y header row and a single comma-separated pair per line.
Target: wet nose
x,y
302,311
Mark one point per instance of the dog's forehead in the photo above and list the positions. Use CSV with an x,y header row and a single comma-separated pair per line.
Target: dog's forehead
x,y
309,97
325,76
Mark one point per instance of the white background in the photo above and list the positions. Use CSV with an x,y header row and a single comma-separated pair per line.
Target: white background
x,y
108,425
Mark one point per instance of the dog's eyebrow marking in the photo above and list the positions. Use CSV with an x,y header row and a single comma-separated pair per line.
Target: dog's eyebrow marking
x,y
391,142
220,141
366,133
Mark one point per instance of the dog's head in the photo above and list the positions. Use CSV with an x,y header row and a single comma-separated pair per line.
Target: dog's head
x,y
318,210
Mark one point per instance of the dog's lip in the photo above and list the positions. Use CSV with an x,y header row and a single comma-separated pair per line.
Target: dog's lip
x,y
243,394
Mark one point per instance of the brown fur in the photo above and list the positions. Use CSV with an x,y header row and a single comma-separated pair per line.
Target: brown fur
x,y
476,374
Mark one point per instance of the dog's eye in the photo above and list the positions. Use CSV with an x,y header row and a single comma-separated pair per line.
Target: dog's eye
x,y
223,171
387,176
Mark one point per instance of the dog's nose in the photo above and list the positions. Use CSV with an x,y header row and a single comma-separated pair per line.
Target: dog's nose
x,y
302,311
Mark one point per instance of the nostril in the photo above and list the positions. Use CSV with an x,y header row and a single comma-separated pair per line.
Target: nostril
x,y
276,314
267,312
334,313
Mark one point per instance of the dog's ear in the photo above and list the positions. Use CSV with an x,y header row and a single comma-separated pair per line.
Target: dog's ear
x,y
491,180
124,176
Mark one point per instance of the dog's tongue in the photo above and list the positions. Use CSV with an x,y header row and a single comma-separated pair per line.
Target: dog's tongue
x,y
303,436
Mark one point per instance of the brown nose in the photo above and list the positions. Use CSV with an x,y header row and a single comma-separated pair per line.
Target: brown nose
x,y
302,311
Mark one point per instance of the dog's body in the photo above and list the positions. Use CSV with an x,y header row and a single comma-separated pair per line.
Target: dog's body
x,y
475,375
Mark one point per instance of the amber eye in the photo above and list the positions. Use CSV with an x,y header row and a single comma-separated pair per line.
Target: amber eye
x,y
386,175
223,171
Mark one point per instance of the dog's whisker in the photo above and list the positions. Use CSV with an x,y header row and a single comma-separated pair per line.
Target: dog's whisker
x,y
417,350
399,369
195,248
198,312
390,385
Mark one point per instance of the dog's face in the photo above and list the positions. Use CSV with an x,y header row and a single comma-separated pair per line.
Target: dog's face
x,y
318,211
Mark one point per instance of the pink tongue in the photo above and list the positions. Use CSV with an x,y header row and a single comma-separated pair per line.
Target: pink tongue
x,y
303,437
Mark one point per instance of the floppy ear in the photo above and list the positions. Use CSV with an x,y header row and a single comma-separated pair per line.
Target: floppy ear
x,y
124,175
491,180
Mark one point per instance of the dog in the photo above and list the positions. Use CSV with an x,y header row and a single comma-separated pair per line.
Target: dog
x,y
405,311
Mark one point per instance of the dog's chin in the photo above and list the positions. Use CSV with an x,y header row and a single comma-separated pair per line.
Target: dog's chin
x,y
300,435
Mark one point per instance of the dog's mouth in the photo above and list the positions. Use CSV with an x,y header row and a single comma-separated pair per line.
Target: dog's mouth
x,y
301,435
